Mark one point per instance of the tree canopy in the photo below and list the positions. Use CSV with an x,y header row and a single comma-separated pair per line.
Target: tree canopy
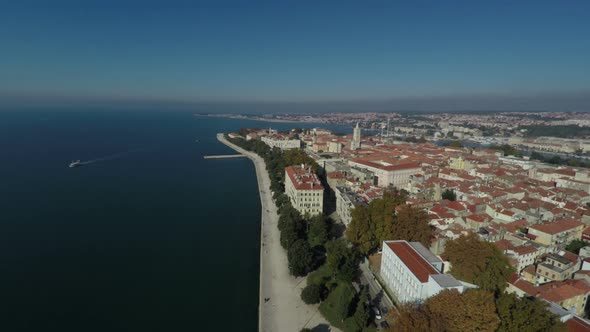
x,y
472,311
412,224
336,307
379,221
575,246
456,144
300,258
449,194
319,229
341,259
524,315
312,293
478,262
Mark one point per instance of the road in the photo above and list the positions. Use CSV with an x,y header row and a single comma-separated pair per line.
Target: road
x,y
378,296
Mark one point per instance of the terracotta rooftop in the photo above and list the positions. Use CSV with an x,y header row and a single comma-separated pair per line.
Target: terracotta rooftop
x,y
389,165
412,259
577,324
557,227
303,178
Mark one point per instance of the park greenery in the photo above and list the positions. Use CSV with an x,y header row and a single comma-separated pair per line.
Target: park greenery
x,y
387,218
557,160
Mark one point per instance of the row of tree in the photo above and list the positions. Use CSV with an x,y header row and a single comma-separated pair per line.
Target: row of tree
x,y
302,237
557,160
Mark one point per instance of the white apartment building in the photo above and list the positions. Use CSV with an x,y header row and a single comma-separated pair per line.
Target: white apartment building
x,y
304,189
346,201
412,272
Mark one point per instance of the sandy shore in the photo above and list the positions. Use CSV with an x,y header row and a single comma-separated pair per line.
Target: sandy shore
x,y
280,305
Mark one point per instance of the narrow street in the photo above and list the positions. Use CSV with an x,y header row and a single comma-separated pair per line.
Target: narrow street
x,y
378,296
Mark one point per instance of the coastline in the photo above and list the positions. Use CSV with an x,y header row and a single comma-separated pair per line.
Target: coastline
x,y
283,309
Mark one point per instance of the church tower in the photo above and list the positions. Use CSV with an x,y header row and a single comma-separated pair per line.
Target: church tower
x,y
355,144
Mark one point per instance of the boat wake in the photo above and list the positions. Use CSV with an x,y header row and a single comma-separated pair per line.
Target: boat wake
x,y
109,157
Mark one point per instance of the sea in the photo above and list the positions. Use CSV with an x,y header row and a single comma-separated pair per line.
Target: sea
x,y
146,235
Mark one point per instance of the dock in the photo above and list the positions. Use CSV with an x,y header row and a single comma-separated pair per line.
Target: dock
x,y
224,156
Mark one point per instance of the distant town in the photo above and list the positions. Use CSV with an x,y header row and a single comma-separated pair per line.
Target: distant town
x,y
437,207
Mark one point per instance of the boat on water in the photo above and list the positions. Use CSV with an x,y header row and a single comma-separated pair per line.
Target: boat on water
x,y
75,163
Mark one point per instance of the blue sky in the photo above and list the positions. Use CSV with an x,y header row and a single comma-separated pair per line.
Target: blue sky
x,y
295,51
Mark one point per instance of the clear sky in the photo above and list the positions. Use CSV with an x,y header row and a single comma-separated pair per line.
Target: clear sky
x,y
298,51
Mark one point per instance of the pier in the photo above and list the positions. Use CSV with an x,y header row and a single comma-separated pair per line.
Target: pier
x,y
224,156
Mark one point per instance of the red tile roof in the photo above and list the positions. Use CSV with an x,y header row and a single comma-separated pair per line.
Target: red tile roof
x,y
414,261
303,178
524,250
395,167
557,227
578,324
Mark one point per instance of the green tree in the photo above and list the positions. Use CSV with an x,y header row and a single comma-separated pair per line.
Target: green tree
x,y
360,230
300,258
412,224
373,224
361,314
291,226
478,262
472,311
449,194
312,294
411,318
318,230
336,307
342,259
281,200
524,315
575,246
456,144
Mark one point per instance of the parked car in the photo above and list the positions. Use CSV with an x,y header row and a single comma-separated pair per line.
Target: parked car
x,y
377,313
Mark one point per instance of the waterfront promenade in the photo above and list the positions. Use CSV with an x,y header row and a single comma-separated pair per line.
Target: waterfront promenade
x,y
280,306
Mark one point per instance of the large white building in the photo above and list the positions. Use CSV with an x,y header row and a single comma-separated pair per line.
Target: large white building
x,y
387,172
413,273
281,142
304,189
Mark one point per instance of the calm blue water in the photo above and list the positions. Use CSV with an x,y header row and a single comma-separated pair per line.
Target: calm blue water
x,y
156,239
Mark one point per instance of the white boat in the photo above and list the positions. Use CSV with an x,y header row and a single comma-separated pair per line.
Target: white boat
x,y
75,163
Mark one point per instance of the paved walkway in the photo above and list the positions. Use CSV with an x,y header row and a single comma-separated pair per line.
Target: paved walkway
x,y
280,304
